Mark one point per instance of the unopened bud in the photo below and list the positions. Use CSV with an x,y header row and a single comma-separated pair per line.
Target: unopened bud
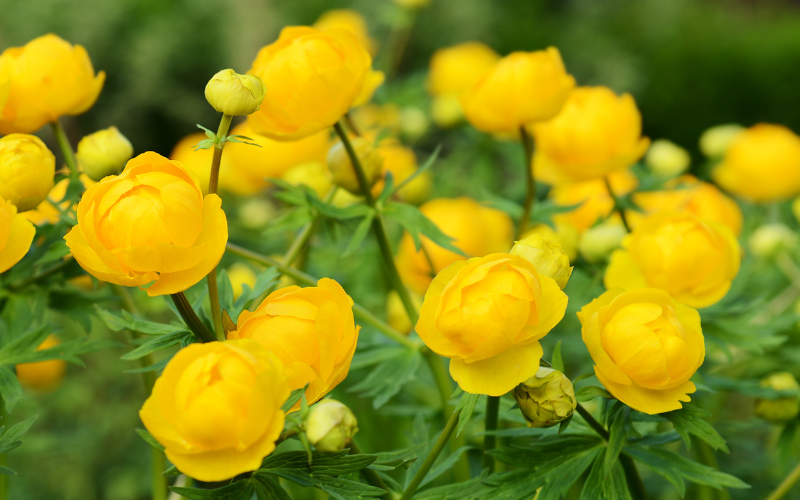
x,y
104,153
446,110
547,257
546,399
784,408
667,159
233,94
342,170
598,242
715,141
413,122
770,239
330,426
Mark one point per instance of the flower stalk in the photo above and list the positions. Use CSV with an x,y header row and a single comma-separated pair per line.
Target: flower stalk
x,y
530,178
490,440
66,148
432,456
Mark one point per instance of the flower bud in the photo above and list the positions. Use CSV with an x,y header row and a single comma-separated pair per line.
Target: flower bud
x,y
547,257
446,110
233,94
715,141
546,399
598,242
667,159
342,170
27,171
255,213
769,239
781,409
330,426
104,153
413,122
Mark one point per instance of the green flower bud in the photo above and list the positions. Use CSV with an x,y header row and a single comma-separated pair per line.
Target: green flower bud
x,y
784,408
547,257
330,426
103,153
342,171
667,159
769,239
598,242
546,399
233,94
715,141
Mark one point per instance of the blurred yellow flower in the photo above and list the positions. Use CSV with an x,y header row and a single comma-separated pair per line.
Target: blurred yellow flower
x,y
103,153
372,81
46,212
396,314
342,170
241,274
314,174
16,235
377,118
597,242
216,408
27,170
695,261
716,140
592,197
596,133
233,94
782,409
43,376
312,77
402,163
49,78
149,225
667,159
522,88
311,330
645,346
566,235
491,349
761,164
477,230
352,21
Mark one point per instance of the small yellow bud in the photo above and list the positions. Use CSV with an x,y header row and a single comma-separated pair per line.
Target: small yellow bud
x,y
546,399
769,239
241,274
104,153
784,408
715,141
413,122
396,314
27,171
330,426
446,110
344,175
233,94
598,242
667,159
547,257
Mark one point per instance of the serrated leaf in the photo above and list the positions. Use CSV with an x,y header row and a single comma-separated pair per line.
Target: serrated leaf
x,y
269,489
10,438
156,344
360,233
599,486
467,405
616,440
240,490
388,378
590,392
127,321
425,166
557,363
690,420
149,439
340,489
388,188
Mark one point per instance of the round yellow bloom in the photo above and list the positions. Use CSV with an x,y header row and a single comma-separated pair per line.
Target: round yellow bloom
x,y
477,231
402,163
566,235
104,153
716,140
16,235
522,88
547,257
592,197
342,170
645,346
27,170
667,159
233,94
49,78
46,212
597,132
43,376
350,20
491,349
687,194
313,174
695,261
311,330
150,224
216,408
313,77
762,164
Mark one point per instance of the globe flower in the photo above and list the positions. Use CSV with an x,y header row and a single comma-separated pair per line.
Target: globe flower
x,y
565,234
784,408
645,346
695,261
42,376
313,77
233,94
522,88
547,257
149,225
350,20
104,153
596,133
16,235
594,203
312,332
216,408
762,164
598,242
342,170
313,174
330,426
49,78
546,399
477,231
770,239
491,349
27,170
402,163
667,159
687,194
715,141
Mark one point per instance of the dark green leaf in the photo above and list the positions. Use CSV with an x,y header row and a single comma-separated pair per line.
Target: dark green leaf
x,y
269,489
416,223
341,489
127,321
466,404
149,439
557,363
599,486
10,438
590,392
240,490
10,389
360,233
615,441
294,397
325,464
388,378
158,343
691,420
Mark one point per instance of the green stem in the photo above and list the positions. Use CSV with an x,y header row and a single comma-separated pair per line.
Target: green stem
x,y
348,119
371,475
432,456
443,383
66,148
359,311
706,457
617,205
159,480
594,424
190,318
786,485
4,456
530,196
490,440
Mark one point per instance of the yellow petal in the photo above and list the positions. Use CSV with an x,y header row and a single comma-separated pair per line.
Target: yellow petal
x,y
648,400
623,272
20,236
498,375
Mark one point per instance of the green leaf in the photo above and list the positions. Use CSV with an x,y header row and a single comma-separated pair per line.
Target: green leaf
x,y
590,392
209,133
294,397
416,223
204,144
599,486
26,342
55,252
360,233
340,489
562,474
158,343
149,439
240,490
444,464
68,351
10,438
269,489
425,166
10,388
398,459
564,424
615,442
466,404
547,449
389,377
127,321
557,363
6,470
388,189
328,464
690,420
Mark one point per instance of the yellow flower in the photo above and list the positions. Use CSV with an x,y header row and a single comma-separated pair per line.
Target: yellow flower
x,y
784,408
667,159
695,261
599,241
342,170
313,174
49,78
566,235
149,225
372,81
547,257
402,163
103,153
312,77
350,20
27,170
546,399
312,332
241,274
233,94
43,376
46,212
330,426
216,408
645,346
592,197
597,132
522,88
761,164
396,314
491,349
716,140
477,231
687,194
16,235
384,118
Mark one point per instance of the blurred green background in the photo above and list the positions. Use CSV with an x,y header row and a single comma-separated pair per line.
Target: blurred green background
x,y
690,64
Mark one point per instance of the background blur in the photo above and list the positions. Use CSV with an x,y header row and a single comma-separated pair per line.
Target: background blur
x,y
690,64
